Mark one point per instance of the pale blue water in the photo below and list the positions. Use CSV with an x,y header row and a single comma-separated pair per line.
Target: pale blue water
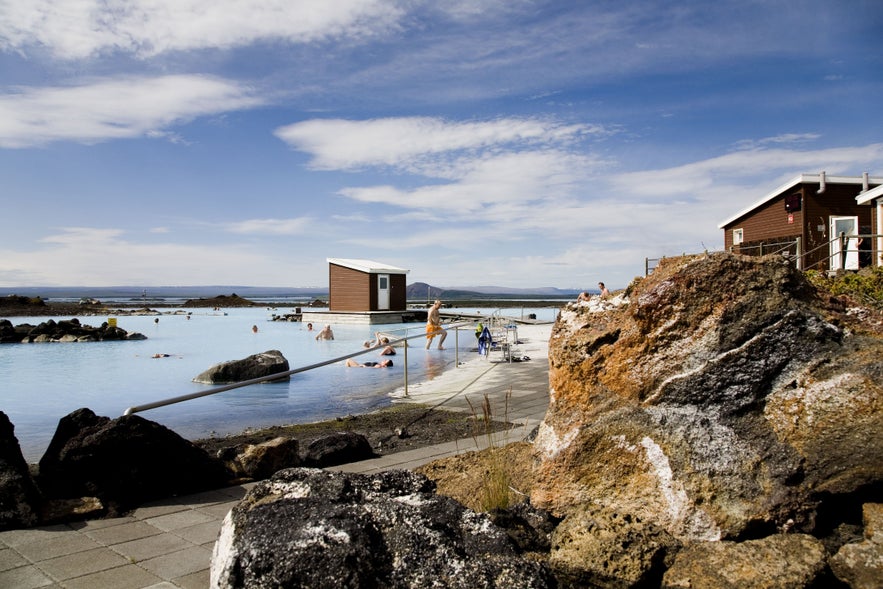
x,y
41,383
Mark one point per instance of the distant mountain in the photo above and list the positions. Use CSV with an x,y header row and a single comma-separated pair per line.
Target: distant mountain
x,y
422,291
542,290
418,291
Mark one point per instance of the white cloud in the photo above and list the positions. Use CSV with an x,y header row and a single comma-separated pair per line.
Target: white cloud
x,y
744,168
83,236
108,257
77,29
406,142
114,108
784,139
494,180
486,167
271,226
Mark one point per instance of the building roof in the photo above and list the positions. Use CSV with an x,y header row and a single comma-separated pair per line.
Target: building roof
x,y
369,266
869,195
801,179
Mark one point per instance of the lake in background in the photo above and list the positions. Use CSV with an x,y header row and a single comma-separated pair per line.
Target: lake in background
x,y
41,383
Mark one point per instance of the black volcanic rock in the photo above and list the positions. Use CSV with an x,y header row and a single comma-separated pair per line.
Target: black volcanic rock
x,y
19,498
233,300
255,366
124,461
315,528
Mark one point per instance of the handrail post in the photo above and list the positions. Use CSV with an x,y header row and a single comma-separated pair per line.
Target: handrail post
x,y
457,347
406,346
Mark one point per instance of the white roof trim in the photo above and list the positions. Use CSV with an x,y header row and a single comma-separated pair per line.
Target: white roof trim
x,y
369,266
802,179
869,195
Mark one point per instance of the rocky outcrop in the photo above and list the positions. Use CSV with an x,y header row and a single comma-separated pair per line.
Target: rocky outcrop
x,y
18,301
338,448
781,560
597,547
314,528
726,400
124,462
860,564
221,301
19,498
255,366
260,461
63,331
529,528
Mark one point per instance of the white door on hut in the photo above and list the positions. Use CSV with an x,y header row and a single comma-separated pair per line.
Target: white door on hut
x,y
844,243
383,292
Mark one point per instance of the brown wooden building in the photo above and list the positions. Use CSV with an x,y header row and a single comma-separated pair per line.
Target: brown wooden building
x,y
365,285
804,217
874,198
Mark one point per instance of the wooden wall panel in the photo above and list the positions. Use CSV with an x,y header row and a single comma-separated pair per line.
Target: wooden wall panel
x,y
349,289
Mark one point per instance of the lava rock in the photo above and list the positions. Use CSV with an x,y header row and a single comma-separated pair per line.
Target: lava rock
x,y
260,365
320,529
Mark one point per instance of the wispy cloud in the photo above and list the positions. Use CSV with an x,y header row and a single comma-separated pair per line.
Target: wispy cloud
x,y
295,226
406,142
784,139
77,30
744,168
114,108
493,181
482,165
81,255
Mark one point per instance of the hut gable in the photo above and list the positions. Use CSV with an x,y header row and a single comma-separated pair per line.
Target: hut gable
x,y
357,285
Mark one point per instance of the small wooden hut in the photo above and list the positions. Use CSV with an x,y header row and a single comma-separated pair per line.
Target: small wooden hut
x,y
365,286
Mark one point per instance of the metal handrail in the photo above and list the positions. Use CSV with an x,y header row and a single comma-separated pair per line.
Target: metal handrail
x,y
844,249
776,247
287,373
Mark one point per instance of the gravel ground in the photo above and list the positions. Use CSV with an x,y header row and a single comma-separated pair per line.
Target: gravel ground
x,y
394,429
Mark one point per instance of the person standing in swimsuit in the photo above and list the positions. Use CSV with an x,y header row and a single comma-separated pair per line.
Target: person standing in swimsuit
x,y
433,326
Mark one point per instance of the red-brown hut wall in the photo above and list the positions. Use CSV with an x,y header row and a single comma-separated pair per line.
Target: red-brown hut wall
x,y
768,223
350,290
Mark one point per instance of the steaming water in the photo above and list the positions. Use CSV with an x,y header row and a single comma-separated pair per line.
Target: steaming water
x,y
40,383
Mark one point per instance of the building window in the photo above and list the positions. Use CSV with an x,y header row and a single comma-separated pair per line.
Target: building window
x,y
737,236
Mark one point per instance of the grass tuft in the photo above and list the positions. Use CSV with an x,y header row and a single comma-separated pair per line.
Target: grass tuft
x,y
496,487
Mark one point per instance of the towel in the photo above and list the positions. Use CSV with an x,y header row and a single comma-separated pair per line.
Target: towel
x,y
484,341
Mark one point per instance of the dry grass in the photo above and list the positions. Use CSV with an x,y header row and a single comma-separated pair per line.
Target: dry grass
x,y
496,489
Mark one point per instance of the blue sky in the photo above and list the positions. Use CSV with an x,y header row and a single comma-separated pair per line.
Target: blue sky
x,y
474,142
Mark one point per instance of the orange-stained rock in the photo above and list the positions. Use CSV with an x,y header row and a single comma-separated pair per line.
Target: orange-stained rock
x,y
723,398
